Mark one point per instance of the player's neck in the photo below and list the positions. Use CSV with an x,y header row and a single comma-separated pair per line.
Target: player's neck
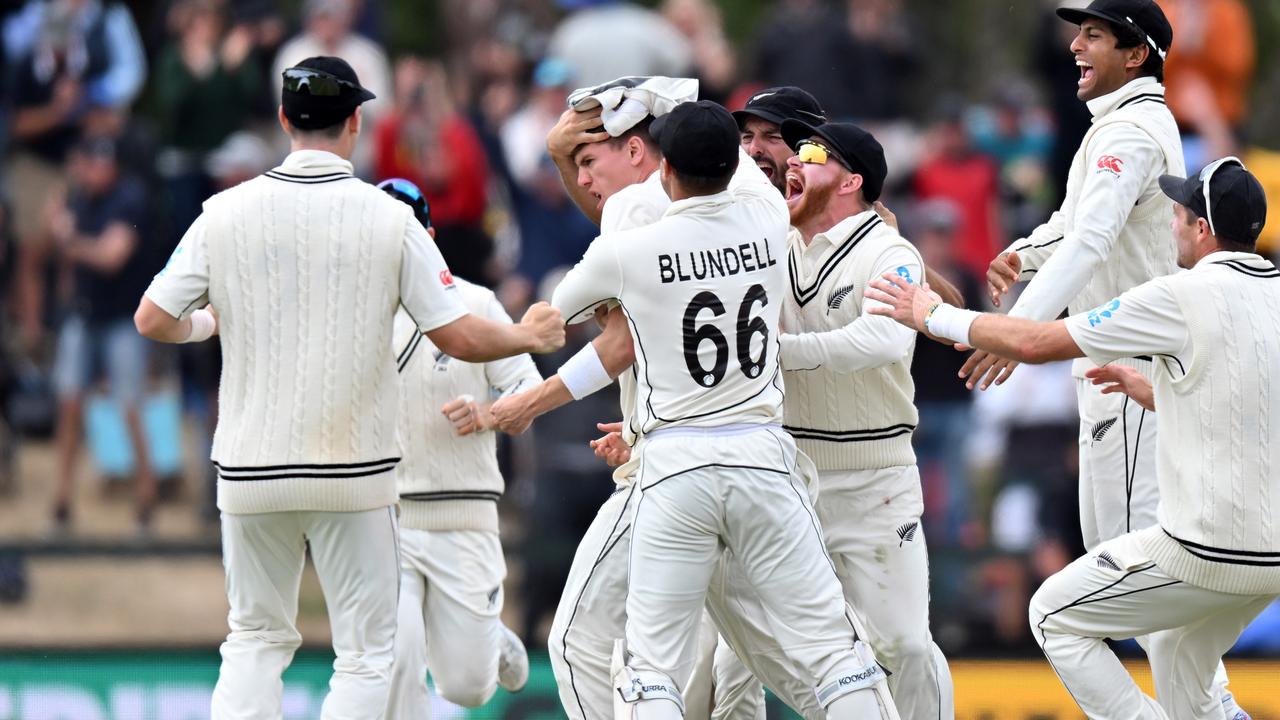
x,y
831,215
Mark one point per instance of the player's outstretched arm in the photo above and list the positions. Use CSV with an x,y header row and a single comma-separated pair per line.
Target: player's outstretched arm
x,y
154,323
1018,338
574,129
476,339
937,282
1124,379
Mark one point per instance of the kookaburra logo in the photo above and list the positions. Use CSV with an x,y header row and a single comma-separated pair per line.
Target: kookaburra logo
x,y
860,676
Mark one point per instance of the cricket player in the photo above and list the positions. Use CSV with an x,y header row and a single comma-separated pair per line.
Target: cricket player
x,y
452,567
716,471
1211,563
1109,235
306,266
850,401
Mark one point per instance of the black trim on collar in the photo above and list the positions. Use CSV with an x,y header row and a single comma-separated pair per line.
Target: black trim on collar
x,y
308,179
1266,270
1145,97
804,296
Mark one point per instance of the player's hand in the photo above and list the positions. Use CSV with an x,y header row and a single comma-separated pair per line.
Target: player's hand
x,y
573,129
465,414
908,303
513,414
1002,274
1123,379
217,321
982,368
545,326
611,448
885,214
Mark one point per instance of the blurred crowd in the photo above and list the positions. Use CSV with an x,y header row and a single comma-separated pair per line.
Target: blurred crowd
x,y
116,125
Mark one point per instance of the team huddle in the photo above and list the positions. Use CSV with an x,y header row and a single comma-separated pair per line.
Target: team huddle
x,y
759,309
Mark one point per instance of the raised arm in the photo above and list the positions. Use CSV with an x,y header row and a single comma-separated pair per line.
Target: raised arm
x,y
575,129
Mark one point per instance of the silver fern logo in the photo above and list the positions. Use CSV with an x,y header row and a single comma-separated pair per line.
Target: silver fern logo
x,y
837,297
907,532
1101,427
1106,562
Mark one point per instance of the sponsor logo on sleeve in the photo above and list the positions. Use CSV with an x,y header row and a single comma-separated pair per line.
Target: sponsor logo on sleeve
x,y
905,274
446,278
1098,314
1111,164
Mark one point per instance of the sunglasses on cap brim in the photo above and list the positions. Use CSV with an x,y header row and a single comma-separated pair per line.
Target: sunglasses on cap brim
x,y
815,153
315,82
1206,177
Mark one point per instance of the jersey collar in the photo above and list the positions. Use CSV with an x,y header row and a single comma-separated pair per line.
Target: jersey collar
x,y
313,163
843,230
1145,85
1218,256
700,205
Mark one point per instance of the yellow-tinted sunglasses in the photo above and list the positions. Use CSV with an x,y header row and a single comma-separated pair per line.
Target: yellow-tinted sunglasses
x,y
813,152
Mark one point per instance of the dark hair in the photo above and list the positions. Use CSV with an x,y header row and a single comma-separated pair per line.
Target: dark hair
x,y
1126,38
332,132
640,130
700,185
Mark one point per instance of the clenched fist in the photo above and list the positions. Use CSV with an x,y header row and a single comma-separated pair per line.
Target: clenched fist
x,y
545,326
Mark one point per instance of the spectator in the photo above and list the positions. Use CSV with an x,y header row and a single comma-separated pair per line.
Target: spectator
x,y
713,60
205,84
328,31
607,39
100,233
425,140
553,232
1208,75
75,62
856,62
953,170
945,406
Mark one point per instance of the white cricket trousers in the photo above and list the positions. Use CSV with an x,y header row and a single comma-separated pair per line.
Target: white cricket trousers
x,y
449,619
1117,592
357,559
731,488
1118,489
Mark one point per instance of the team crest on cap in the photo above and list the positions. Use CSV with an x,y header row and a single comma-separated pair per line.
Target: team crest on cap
x,y
1111,163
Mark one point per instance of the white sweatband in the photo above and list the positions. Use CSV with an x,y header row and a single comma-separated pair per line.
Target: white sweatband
x,y
584,374
202,326
950,322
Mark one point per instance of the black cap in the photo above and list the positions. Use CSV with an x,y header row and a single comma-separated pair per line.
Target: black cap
x,y
1143,17
328,93
698,138
777,104
1236,198
409,194
859,150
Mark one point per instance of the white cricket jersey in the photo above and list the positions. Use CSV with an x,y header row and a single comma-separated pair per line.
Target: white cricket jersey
x,y
306,266
702,289
447,481
1112,231
1214,334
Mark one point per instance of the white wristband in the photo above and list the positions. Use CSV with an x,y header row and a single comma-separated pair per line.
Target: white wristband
x,y
202,326
950,322
584,374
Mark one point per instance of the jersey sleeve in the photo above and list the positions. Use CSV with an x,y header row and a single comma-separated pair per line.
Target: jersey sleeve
x,y
509,375
1123,161
1143,321
869,341
183,284
1035,249
627,210
427,290
596,278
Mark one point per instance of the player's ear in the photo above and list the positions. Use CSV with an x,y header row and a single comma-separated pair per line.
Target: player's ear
x,y
852,183
635,150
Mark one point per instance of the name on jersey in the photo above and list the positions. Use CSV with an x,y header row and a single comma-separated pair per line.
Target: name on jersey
x,y
721,262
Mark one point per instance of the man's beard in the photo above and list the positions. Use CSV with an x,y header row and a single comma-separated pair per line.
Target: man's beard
x,y
812,203
779,175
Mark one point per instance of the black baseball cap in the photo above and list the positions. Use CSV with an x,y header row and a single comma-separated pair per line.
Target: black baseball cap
x,y
777,104
698,138
857,148
320,92
1236,207
1143,17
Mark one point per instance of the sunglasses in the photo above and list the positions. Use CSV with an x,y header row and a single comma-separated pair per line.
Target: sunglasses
x,y
1206,177
815,153
315,82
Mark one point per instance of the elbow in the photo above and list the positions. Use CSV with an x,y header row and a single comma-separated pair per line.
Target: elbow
x,y
617,358
147,324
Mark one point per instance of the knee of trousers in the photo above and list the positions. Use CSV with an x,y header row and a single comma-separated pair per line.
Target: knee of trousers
x,y
859,671
642,694
275,640
1040,613
466,686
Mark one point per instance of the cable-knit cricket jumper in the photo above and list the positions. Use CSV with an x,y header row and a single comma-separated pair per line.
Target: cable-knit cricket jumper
x,y
306,266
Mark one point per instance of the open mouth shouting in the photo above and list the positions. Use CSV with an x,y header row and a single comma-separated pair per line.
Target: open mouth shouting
x,y
1086,73
794,189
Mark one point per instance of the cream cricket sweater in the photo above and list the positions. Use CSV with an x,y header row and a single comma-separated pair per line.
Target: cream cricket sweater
x,y
447,482
846,420
1219,461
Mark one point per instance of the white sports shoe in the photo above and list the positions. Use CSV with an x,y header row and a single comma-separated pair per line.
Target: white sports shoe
x,y
513,662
